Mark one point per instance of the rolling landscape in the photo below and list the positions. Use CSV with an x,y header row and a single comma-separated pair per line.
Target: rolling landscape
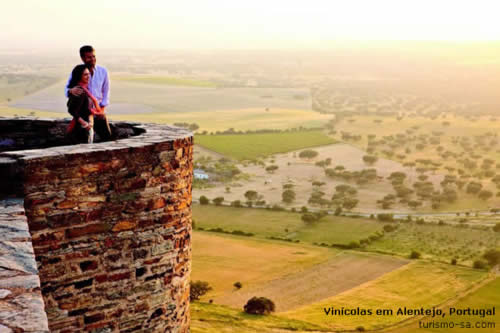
x,y
321,179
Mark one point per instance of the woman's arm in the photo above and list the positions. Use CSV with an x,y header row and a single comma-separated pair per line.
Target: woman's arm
x,y
76,104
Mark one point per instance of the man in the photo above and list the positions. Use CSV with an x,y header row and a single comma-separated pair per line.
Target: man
x,y
98,87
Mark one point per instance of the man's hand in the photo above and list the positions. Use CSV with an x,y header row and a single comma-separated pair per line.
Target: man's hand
x,y
76,91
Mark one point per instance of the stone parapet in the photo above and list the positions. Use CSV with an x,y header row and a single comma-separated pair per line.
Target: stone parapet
x,y
111,230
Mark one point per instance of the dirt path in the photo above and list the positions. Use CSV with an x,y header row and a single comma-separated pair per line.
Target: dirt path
x,y
342,273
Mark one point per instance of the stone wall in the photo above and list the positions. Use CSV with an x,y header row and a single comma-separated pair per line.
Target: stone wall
x,y
111,231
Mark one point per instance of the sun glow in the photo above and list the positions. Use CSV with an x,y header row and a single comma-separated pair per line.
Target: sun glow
x,y
244,24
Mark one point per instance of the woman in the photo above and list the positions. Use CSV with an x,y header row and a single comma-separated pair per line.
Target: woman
x,y
83,108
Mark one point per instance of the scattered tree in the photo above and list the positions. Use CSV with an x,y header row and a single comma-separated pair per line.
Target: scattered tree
x,y
259,306
198,289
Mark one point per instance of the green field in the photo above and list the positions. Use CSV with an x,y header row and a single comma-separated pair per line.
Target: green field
x,y
438,242
265,223
487,296
251,146
420,284
14,86
167,80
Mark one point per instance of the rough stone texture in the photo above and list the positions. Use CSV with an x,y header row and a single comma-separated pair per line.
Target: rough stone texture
x,y
111,230
21,303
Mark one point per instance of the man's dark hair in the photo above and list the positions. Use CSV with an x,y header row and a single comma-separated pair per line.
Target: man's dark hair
x,y
84,49
76,75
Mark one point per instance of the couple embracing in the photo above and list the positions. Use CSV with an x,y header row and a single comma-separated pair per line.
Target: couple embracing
x,y
88,96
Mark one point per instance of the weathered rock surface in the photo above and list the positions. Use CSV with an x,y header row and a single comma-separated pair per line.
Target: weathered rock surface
x,y
21,302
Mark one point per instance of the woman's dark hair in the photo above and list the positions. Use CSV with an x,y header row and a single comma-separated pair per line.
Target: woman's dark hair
x,y
76,75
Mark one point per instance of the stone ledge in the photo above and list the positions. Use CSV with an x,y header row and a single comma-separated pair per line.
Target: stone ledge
x,y
21,303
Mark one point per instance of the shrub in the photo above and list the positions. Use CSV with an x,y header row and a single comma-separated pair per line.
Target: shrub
x,y
360,329
198,289
414,255
479,264
385,217
259,306
492,256
369,159
454,261
353,245
218,201
496,228
308,153
238,285
204,200
288,196
390,228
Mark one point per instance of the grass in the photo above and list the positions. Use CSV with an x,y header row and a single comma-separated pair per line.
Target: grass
x,y
252,146
419,284
266,223
166,80
14,86
488,296
223,260
212,318
438,242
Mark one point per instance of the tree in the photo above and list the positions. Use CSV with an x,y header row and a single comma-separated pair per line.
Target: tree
x,y
414,255
473,187
370,159
251,195
218,201
492,256
414,204
259,306
198,289
350,203
308,153
272,168
308,218
204,200
288,196
479,264
485,194
236,203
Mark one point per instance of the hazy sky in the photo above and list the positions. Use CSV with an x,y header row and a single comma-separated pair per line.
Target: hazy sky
x,y
240,23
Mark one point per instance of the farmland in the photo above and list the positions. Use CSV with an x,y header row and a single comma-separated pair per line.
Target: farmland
x,y
420,284
251,146
304,154
265,223
486,297
166,80
139,98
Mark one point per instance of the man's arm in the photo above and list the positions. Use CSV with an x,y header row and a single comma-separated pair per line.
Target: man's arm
x,y
74,91
66,89
105,90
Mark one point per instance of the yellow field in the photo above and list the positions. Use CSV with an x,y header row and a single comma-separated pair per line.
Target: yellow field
x,y
239,119
419,284
223,260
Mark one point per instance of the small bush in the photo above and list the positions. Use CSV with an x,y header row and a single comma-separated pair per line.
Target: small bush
x,y
414,255
237,285
198,289
454,261
204,200
479,264
259,306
